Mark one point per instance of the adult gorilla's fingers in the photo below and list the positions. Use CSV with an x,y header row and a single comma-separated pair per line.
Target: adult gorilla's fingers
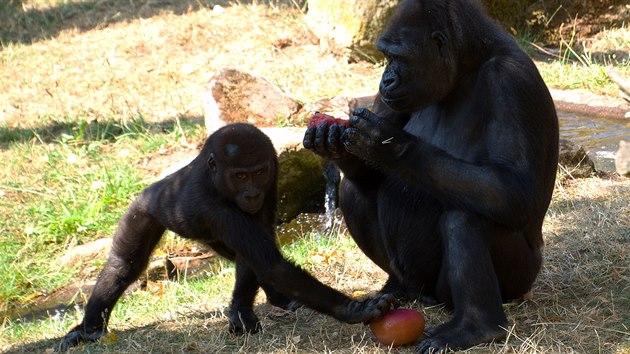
x,y
349,136
325,140
363,116
335,145
321,137
355,142
309,138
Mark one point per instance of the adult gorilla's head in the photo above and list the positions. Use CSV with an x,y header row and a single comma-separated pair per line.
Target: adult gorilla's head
x,y
426,52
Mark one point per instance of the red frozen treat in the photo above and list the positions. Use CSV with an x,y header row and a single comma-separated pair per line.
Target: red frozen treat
x,y
321,118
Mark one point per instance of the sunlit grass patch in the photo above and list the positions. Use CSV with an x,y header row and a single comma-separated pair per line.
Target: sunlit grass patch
x,y
63,187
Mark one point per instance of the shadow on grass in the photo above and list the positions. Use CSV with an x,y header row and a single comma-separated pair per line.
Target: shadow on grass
x,y
138,338
207,332
34,25
84,131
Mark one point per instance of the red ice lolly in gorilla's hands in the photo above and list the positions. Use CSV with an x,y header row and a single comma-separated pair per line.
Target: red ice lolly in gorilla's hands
x,y
321,118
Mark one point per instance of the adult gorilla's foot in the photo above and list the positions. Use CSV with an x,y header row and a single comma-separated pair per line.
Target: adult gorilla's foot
x,y
458,335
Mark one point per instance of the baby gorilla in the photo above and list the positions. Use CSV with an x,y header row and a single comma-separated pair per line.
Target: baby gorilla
x,y
225,198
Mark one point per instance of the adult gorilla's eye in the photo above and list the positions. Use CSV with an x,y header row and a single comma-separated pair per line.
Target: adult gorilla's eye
x,y
260,172
240,176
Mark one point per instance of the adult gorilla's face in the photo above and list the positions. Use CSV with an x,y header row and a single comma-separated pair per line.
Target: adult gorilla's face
x,y
419,68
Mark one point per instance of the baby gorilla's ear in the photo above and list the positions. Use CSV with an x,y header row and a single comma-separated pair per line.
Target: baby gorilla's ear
x,y
212,163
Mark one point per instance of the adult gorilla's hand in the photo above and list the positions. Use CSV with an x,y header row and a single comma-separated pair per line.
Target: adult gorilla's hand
x,y
325,140
375,139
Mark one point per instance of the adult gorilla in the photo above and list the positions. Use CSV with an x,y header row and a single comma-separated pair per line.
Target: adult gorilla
x,y
226,198
447,182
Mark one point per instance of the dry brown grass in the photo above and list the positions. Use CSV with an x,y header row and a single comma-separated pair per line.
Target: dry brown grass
x,y
153,60
157,65
580,302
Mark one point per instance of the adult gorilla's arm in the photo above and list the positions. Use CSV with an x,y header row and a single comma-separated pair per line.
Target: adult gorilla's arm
x,y
257,248
497,190
500,185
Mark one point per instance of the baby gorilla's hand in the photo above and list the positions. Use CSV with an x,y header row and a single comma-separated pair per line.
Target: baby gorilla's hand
x,y
363,311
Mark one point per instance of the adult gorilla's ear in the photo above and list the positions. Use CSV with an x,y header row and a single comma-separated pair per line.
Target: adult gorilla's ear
x,y
439,38
212,163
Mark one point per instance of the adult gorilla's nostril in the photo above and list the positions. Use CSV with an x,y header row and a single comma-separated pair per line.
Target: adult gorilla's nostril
x,y
388,83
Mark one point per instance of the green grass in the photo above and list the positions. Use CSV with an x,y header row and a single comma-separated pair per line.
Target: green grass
x,y
204,297
62,186
569,66
572,76
582,65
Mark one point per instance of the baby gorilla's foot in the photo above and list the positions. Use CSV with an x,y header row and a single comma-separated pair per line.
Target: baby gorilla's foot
x,y
243,321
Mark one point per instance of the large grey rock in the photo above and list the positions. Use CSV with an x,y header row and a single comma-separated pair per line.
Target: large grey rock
x,y
588,103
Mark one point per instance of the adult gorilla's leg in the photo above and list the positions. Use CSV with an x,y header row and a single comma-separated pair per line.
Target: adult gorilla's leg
x,y
516,262
359,208
412,238
469,283
406,244
241,314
